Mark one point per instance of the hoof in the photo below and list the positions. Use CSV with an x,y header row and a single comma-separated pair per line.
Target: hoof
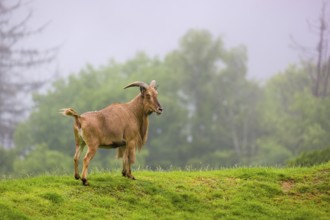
x,y
130,176
84,182
76,176
124,173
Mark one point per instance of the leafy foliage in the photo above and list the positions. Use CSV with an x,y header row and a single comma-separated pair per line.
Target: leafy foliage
x,y
7,157
311,158
42,160
293,119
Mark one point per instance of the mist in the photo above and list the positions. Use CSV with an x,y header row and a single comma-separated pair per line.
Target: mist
x,y
242,82
95,32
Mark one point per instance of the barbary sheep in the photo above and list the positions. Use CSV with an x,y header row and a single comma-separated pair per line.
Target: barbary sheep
x,y
120,125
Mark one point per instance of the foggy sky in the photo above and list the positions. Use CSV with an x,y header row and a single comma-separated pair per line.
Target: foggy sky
x,y
96,31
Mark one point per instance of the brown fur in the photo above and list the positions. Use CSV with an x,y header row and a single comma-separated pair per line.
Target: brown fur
x,y
123,126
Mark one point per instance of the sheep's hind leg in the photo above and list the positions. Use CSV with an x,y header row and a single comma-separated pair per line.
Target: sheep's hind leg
x,y
80,144
79,149
88,157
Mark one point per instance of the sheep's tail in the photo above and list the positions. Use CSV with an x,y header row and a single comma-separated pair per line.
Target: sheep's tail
x,y
73,113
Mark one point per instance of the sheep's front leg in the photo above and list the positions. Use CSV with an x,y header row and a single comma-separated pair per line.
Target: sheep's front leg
x,y
88,157
121,154
128,160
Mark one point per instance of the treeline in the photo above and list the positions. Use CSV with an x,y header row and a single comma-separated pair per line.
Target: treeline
x,y
213,114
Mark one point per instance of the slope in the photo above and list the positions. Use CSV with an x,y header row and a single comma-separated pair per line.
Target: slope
x,y
237,193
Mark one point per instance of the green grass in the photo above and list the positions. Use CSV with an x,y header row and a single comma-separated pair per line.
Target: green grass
x,y
238,193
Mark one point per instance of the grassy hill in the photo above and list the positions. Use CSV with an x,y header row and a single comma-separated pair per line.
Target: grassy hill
x,y
238,193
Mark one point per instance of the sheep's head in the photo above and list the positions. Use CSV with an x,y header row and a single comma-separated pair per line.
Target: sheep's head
x,y
149,94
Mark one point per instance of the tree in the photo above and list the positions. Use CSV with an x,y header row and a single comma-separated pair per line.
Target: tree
x,y
222,104
317,61
14,61
239,102
293,119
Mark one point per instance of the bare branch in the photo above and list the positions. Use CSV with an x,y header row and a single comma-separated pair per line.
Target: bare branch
x,y
13,64
316,59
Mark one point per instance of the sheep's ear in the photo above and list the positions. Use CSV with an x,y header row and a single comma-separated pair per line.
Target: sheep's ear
x,y
153,84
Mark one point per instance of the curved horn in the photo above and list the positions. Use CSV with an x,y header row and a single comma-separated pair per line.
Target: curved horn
x,y
138,84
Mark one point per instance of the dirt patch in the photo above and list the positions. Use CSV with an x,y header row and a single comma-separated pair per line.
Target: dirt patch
x,y
232,181
287,186
326,171
213,183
